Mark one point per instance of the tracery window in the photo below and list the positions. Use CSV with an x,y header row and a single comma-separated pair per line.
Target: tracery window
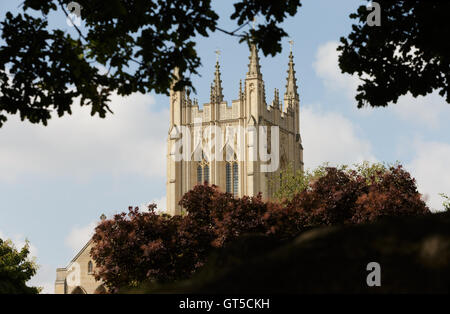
x,y
232,177
203,170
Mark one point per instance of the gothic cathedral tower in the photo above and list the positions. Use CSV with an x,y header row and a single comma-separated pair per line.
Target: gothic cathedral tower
x,y
239,148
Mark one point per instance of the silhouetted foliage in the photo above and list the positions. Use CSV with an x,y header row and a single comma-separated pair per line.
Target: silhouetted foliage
x,y
141,246
16,269
139,43
408,52
413,252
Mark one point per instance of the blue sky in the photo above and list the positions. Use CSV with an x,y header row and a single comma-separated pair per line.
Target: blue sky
x,y
56,181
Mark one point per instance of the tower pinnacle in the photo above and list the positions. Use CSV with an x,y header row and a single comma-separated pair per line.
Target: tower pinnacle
x,y
276,99
291,86
217,87
254,69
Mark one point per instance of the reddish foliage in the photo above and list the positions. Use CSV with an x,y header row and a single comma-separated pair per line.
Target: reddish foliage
x,y
137,245
237,217
145,246
394,195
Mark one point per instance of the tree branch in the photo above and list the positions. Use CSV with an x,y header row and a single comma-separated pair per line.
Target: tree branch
x,y
233,33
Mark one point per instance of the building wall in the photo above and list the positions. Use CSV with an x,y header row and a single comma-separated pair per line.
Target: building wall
x,y
75,278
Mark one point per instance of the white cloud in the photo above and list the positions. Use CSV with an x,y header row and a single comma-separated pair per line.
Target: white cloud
x,y
327,68
431,168
430,110
330,137
79,236
132,140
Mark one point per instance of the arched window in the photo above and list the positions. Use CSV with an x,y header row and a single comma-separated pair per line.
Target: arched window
x,y
206,173
235,178
232,177
199,174
203,171
228,177
90,267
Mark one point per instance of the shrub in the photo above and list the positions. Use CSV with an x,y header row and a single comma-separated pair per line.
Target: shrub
x,y
137,245
394,194
142,246
16,269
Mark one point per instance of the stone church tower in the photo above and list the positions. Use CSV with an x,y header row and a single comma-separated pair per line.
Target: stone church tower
x,y
213,151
